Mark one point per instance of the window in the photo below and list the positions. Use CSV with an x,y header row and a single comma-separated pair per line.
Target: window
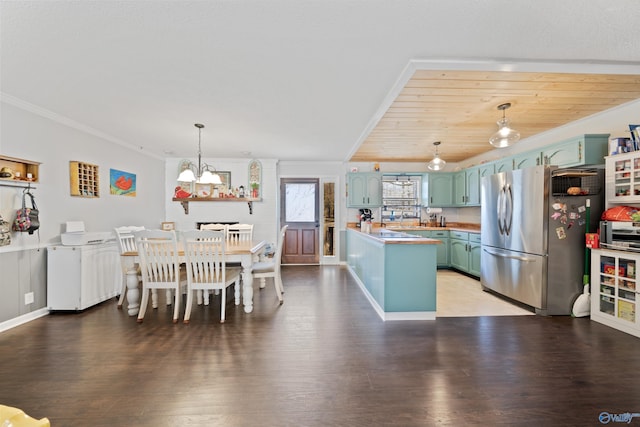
x,y
401,197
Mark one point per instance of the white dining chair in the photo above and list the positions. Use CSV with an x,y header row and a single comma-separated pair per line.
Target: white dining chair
x,y
126,243
204,252
159,267
215,227
271,268
237,233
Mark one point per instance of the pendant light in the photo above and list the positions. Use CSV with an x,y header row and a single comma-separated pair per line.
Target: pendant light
x,y
505,135
436,163
200,173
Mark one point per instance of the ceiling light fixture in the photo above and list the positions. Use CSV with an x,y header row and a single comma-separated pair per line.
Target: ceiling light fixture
x,y
189,171
505,135
436,163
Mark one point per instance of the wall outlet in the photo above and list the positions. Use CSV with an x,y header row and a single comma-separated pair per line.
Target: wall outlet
x,y
28,298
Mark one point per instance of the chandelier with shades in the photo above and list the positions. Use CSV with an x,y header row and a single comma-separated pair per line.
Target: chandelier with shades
x,y
201,173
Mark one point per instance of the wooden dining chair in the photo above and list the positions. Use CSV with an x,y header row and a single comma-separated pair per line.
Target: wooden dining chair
x,y
215,227
271,268
237,233
204,252
159,267
126,243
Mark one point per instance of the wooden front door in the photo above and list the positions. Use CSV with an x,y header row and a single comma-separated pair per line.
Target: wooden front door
x,y
300,211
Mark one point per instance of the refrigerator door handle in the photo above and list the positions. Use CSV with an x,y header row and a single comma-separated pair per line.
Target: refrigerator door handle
x,y
500,211
518,257
508,220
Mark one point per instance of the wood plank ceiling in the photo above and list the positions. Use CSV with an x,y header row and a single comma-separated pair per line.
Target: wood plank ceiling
x,y
459,108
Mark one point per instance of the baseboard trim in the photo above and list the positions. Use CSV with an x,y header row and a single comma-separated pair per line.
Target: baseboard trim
x,y
17,321
392,315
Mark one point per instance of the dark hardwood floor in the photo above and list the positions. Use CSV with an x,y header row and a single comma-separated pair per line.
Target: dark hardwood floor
x,y
324,358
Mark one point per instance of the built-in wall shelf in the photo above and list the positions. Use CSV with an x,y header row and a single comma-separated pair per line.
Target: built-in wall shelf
x,y
23,172
185,201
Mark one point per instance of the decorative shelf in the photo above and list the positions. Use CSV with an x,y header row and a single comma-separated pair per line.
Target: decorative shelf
x,y
185,201
21,166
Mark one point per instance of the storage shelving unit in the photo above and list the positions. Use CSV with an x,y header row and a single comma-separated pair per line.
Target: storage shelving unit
x,y
614,289
21,170
623,178
84,179
186,200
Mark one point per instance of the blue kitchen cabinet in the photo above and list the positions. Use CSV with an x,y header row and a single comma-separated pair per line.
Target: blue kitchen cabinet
x,y
465,252
442,257
504,165
588,149
466,187
437,189
399,279
364,190
526,160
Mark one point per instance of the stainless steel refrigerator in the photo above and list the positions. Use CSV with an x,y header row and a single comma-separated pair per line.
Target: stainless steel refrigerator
x,y
533,234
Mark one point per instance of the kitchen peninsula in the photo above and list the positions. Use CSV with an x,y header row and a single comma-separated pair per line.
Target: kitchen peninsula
x,y
396,271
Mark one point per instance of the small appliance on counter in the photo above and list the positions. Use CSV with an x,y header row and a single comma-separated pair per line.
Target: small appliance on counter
x,y
364,216
76,235
622,235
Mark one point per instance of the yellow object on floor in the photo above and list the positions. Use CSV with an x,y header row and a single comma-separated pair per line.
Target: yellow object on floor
x,y
14,417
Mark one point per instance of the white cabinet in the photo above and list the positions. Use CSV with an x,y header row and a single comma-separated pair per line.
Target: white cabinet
x,y
614,289
81,276
623,178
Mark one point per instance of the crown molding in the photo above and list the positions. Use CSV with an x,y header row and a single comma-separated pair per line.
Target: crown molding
x,y
66,121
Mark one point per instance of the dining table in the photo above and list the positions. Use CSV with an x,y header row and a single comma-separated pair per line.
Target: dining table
x,y
245,253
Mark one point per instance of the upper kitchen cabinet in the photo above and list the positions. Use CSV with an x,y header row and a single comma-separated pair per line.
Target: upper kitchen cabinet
x,y
487,169
526,160
504,165
588,149
466,187
437,189
364,190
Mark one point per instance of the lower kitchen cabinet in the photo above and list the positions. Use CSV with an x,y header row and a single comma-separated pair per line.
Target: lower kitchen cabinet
x,y
475,248
614,289
465,252
442,249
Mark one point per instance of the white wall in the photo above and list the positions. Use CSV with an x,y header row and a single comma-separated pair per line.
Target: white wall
x,y
53,140
30,136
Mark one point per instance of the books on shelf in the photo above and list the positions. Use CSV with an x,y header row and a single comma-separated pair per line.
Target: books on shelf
x,y
635,133
622,145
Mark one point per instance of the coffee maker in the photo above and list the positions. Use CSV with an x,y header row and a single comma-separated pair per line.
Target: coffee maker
x,y
365,215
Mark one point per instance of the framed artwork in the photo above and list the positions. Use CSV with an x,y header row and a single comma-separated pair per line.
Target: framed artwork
x,y
122,183
225,177
255,179
204,190
168,226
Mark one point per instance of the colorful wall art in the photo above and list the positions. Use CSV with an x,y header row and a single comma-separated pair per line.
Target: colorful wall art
x,y
122,183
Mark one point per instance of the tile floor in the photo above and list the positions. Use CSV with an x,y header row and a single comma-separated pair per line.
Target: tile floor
x,y
462,296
